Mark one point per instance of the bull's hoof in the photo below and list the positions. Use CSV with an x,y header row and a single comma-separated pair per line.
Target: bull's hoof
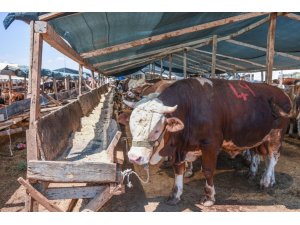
x,y
266,184
172,200
205,201
188,174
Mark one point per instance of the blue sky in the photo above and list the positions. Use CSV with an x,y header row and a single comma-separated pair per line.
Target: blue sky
x,y
14,47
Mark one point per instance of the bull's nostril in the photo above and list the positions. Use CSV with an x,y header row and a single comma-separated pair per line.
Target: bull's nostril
x,y
138,159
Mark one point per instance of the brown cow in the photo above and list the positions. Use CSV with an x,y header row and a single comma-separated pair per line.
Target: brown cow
x,y
200,116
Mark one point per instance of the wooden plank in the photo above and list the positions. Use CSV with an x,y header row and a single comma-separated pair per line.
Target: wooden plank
x,y
176,33
293,16
80,80
100,199
50,16
62,171
170,66
234,58
71,205
214,56
270,48
264,49
73,192
12,131
184,64
111,148
53,39
57,103
41,199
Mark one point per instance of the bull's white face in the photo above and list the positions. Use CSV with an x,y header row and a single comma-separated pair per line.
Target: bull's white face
x,y
147,123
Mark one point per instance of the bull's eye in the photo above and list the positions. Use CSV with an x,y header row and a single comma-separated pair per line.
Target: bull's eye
x,y
156,131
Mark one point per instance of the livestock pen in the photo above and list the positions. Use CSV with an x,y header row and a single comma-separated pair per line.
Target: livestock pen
x,y
206,44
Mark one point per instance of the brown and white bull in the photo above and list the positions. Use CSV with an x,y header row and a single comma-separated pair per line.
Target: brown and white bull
x,y
199,116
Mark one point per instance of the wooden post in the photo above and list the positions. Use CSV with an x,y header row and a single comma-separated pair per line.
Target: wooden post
x,y
170,66
25,91
184,64
262,76
99,84
270,48
80,80
161,67
55,88
9,89
214,57
93,79
35,81
30,58
67,84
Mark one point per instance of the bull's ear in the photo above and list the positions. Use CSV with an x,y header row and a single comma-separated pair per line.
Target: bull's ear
x,y
174,124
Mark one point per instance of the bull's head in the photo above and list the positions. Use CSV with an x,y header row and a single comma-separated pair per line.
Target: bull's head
x,y
148,122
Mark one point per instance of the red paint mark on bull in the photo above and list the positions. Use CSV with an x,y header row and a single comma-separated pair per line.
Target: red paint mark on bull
x,y
241,95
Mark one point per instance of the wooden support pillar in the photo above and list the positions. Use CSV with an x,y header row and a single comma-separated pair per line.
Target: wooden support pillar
x,y
9,89
30,59
67,84
214,56
76,85
25,91
184,64
262,76
270,48
99,84
80,80
93,79
55,88
170,66
31,134
161,67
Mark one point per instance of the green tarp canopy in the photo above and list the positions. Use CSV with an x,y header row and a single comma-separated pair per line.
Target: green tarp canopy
x,y
86,32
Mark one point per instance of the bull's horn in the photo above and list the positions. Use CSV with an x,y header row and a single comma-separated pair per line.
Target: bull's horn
x,y
168,109
129,104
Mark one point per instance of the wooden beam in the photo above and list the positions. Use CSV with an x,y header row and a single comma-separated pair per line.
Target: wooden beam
x,y
234,58
292,16
214,56
270,48
41,199
178,48
219,61
176,33
93,78
264,49
71,205
9,89
161,67
50,16
72,192
63,171
111,148
184,64
53,39
98,201
80,80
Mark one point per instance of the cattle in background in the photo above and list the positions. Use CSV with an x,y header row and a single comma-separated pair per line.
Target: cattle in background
x,y
200,116
15,96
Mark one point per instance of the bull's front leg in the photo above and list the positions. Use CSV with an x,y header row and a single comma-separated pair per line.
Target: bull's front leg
x,y
177,190
209,160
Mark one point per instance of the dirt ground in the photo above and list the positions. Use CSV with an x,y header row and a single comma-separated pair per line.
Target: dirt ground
x,y
234,191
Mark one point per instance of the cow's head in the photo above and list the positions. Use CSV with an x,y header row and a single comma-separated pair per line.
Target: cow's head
x,y
147,124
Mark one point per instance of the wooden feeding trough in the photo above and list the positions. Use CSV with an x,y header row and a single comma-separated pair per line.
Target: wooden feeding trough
x,y
60,163
76,145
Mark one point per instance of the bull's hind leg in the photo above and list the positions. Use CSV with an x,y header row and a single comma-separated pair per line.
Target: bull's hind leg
x,y
273,152
209,160
177,190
